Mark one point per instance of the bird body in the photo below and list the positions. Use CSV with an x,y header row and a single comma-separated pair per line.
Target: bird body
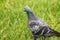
x,y
38,27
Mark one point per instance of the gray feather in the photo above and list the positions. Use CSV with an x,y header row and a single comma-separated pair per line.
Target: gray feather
x,y
38,26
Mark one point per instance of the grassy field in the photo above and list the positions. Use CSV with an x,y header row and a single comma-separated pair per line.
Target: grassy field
x,y
13,19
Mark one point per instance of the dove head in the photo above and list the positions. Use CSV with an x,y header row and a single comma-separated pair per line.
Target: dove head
x,y
27,8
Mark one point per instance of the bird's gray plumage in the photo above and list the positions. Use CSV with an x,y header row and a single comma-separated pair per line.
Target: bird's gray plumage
x,y
37,26
38,22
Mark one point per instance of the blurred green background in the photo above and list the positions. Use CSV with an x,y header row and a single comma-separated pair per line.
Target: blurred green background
x,y
13,19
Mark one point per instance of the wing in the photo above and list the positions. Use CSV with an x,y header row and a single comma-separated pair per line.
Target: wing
x,y
39,27
36,25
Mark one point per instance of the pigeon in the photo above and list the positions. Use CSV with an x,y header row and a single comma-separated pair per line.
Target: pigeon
x,y
38,27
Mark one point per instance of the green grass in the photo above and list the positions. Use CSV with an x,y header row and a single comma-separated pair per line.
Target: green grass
x,y
13,19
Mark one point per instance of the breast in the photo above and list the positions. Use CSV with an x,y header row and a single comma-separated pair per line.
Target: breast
x,y
34,26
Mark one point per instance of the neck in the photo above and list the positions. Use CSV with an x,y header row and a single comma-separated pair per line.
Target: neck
x,y
31,16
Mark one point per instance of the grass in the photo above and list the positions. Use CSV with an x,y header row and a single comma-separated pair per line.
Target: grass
x,y
13,19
